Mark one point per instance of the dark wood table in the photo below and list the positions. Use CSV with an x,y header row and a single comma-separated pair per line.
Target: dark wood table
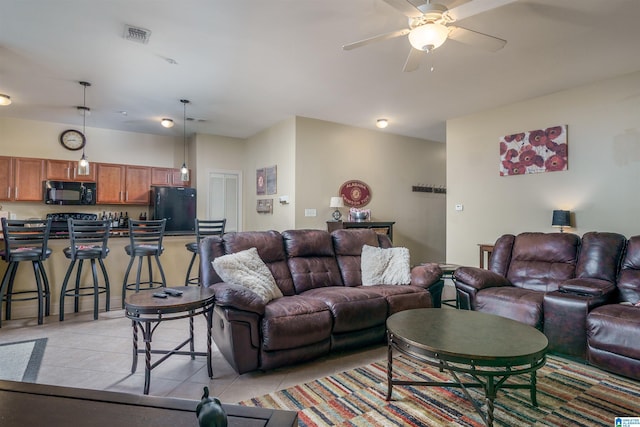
x,y
28,404
489,348
147,312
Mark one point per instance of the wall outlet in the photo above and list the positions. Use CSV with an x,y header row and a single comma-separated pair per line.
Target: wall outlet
x,y
12,216
310,212
459,207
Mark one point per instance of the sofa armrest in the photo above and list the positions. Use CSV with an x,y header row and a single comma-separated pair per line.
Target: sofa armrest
x,y
479,278
425,275
238,297
588,287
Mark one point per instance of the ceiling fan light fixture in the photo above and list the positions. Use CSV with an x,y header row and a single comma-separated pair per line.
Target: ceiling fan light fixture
x,y
167,123
5,99
428,36
382,123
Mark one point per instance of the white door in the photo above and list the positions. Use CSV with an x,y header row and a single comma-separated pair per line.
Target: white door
x,y
224,198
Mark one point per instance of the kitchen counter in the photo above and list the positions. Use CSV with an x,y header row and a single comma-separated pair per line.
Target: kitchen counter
x,y
175,261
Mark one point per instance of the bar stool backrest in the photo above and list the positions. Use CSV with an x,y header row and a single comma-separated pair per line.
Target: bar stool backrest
x,y
146,233
205,228
25,238
89,234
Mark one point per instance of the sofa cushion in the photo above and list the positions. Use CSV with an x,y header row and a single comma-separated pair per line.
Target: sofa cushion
x,y
295,321
347,244
271,250
629,277
311,259
600,255
352,308
246,269
401,298
541,261
519,304
385,266
615,328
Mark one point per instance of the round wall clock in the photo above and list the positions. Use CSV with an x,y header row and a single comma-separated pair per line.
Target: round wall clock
x,y
356,194
72,139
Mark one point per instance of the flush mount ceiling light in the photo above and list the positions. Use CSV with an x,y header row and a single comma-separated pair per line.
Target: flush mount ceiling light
x,y
168,123
5,99
382,123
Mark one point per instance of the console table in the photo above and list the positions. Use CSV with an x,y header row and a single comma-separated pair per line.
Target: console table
x,y
382,227
29,404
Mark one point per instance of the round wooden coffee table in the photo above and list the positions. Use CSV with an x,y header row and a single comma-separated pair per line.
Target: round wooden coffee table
x,y
147,312
489,348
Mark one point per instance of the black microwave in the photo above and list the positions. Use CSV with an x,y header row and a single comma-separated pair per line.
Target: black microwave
x,y
69,193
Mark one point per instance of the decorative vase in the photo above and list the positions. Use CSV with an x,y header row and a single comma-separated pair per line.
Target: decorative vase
x,y
210,412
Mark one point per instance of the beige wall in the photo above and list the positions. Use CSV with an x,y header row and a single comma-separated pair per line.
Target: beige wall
x,y
209,154
599,187
328,154
273,146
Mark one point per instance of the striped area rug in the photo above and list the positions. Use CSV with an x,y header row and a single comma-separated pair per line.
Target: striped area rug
x,y
569,394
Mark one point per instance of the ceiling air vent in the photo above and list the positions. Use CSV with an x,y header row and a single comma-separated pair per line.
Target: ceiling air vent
x,y
137,34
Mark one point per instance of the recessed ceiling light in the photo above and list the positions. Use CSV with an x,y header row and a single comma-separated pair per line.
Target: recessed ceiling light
x,y
168,123
5,99
382,123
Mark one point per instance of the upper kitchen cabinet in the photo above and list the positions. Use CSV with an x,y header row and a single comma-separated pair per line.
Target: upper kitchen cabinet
x,y
122,184
28,177
6,178
67,170
168,177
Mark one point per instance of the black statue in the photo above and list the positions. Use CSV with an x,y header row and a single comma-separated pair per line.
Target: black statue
x,y
210,412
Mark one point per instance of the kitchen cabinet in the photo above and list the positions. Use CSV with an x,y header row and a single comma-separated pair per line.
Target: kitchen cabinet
x,y
28,177
21,179
6,178
122,184
168,177
67,170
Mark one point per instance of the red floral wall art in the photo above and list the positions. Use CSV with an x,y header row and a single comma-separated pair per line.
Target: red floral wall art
x,y
543,150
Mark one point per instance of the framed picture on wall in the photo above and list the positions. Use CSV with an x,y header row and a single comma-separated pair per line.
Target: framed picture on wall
x,y
261,182
535,151
272,179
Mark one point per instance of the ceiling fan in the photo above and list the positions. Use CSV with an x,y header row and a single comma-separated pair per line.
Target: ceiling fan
x,y
429,28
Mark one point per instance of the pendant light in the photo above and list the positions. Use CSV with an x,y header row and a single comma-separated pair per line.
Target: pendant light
x,y
83,163
184,171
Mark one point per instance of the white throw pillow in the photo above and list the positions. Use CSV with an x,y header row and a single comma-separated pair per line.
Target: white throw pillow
x,y
246,268
382,266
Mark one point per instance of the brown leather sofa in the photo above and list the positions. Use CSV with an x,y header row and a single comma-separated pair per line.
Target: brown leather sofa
x,y
571,288
324,308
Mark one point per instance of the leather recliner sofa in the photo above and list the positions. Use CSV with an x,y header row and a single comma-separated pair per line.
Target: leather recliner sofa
x,y
578,291
324,308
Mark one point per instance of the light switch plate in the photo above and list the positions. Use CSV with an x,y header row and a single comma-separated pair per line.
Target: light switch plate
x,y
310,212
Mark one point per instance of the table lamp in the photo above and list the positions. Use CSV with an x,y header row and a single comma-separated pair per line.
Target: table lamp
x,y
561,219
336,202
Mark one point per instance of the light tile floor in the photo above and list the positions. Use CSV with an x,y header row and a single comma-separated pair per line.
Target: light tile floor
x,y
97,354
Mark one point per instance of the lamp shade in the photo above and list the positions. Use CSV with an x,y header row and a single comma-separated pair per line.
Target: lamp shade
x,y
336,202
428,36
561,218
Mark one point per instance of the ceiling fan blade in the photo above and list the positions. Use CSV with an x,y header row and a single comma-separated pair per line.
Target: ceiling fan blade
x,y
413,60
373,39
474,7
476,39
404,7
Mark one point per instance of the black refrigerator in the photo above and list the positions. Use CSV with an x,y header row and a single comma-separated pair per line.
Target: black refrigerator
x,y
177,205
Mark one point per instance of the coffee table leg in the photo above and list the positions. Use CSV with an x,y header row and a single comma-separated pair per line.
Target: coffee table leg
x,y
490,391
389,367
209,316
191,343
134,364
534,400
147,356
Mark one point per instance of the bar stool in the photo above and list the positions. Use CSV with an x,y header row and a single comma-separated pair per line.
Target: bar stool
x,y
204,228
25,240
145,239
88,239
